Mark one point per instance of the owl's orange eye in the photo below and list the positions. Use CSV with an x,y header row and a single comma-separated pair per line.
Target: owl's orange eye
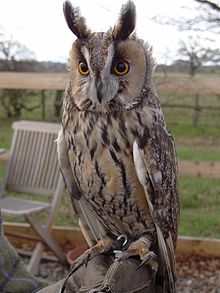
x,y
83,68
121,68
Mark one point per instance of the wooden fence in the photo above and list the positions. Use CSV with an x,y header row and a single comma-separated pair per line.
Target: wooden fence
x,y
57,81
172,86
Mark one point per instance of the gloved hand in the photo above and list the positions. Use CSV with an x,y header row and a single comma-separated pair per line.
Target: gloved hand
x,y
14,277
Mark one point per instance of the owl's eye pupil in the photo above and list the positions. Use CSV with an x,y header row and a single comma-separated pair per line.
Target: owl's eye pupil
x,y
121,68
83,68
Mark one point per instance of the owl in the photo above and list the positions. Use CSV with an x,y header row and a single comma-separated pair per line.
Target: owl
x,y
116,154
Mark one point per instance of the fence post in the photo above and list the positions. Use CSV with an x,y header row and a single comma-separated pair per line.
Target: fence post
x,y
58,103
43,97
197,110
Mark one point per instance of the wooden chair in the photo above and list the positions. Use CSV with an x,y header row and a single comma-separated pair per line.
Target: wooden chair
x,y
33,168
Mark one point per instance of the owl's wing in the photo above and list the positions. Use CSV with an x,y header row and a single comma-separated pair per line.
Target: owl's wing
x,y
87,221
156,168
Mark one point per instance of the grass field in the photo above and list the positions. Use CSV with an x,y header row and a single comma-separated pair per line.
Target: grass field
x,y
199,198
200,207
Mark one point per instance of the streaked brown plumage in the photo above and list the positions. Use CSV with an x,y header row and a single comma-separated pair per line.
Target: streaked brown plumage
x,y
114,149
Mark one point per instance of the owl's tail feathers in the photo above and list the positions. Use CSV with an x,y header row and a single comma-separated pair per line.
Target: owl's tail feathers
x,y
89,226
167,265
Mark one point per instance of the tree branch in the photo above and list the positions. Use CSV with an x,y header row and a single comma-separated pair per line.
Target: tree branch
x,y
210,3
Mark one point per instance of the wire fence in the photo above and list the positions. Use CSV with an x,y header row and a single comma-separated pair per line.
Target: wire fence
x,y
195,110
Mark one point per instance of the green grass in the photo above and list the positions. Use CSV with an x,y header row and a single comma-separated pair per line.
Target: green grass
x,y
211,154
181,120
200,207
31,99
5,133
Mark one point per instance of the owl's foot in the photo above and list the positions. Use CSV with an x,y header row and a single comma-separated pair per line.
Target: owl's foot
x,y
102,246
139,247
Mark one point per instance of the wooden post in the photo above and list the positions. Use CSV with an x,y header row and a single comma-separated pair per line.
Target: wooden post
x,y
58,103
197,110
43,98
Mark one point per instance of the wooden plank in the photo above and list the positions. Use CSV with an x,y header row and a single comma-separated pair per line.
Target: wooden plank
x,y
200,246
30,80
64,235
74,237
201,169
37,126
188,85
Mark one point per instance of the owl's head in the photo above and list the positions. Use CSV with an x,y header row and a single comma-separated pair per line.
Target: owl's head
x,y
108,70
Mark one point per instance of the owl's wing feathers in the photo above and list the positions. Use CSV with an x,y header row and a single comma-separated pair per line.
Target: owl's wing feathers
x,y
157,154
65,167
156,168
87,221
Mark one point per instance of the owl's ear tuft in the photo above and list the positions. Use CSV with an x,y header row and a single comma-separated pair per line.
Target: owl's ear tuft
x,y
75,21
126,22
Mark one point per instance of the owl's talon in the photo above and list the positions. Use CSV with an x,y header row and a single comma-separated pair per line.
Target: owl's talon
x,y
102,246
150,259
123,236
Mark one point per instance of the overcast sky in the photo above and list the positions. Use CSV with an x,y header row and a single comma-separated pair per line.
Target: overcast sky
x,y
40,25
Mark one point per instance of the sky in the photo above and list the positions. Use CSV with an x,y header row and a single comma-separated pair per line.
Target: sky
x,y
40,24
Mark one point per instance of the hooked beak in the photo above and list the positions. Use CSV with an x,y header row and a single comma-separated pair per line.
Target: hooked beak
x,y
99,90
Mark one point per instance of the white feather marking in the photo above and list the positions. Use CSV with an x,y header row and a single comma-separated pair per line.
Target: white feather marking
x,y
61,145
139,164
157,177
86,55
109,58
141,173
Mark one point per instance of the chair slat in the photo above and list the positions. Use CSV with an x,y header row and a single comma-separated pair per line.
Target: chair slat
x,y
27,161
35,159
45,161
34,165
38,155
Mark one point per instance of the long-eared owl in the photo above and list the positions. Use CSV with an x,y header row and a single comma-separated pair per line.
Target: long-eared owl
x,y
116,154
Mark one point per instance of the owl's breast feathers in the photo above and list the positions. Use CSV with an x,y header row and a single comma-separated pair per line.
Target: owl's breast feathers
x,y
100,153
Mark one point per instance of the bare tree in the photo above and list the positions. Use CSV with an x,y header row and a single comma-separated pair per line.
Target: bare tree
x,y
194,54
208,15
207,18
12,51
212,4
